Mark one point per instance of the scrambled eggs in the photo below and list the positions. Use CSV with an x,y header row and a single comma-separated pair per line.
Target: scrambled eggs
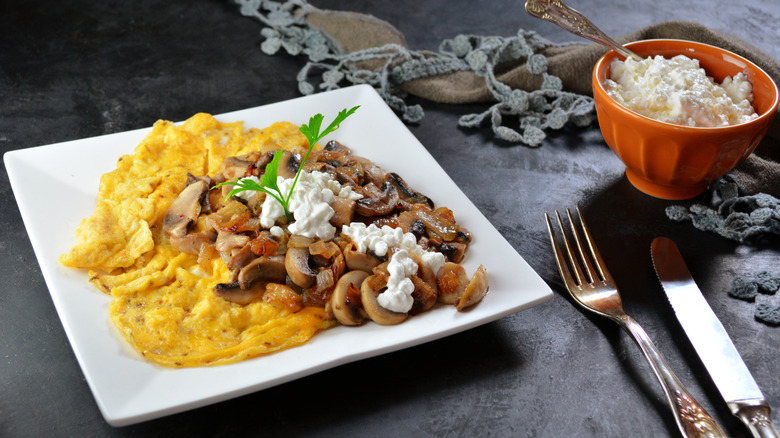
x,y
164,303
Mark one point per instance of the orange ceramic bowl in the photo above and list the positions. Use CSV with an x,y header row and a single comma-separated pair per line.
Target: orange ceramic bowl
x,y
678,162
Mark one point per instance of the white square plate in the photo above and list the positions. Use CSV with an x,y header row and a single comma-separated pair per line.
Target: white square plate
x,y
55,188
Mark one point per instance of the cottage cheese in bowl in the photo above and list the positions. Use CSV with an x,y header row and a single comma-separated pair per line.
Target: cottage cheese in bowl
x,y
678,91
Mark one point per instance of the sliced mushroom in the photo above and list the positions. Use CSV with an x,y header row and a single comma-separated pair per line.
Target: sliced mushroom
x,y
206,254
334,146
319,166
227,241
410,223
296,261
264,268
191,243
288,166
205,201
451,282
406,193
454,251
476,290
263,160
184,210
216,199
361,261
377,201
255,203
240,258
345,303
235,167
369,291
343,212
371,172
234,293
349,175
182,213
427,275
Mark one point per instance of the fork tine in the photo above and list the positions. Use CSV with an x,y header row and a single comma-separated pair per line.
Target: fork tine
x,y
570,260
573,261
585,256
559,257
600,266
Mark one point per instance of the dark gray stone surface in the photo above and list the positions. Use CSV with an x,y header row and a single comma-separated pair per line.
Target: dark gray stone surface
x,y
76,69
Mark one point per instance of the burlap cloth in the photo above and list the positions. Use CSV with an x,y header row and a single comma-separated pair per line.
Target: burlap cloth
x,y
571,63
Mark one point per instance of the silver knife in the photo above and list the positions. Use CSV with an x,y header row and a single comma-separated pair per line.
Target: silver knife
x,y
711,341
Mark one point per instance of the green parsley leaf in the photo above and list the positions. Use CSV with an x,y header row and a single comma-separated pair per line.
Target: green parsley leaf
x,y
267,182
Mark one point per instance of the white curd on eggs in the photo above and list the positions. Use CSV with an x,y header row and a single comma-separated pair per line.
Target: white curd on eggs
x,y
677,90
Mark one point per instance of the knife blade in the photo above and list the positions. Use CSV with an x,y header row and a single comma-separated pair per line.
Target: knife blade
x,y
711,341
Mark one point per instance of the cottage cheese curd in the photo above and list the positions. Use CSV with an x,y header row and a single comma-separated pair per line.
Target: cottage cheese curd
x,y
309,204
678,91
398,296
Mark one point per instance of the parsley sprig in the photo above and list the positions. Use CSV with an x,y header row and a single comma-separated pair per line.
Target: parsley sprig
x,y
268,183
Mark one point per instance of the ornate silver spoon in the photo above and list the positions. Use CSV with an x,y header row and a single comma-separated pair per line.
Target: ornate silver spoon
x,y
557,12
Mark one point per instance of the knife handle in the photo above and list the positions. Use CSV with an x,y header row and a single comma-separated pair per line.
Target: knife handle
x,y
756,417
691,417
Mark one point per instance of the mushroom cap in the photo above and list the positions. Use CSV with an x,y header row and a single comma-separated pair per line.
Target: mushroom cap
x,y
357,260
191,243
406,193
476,290
369,291
346,299
343,212
377,201
235,167
184,210
296,262
263,268
182,213
235,294
288,166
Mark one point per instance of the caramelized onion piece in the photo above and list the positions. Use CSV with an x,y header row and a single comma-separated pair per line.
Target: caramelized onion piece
x,y
424,296
447,230
281,296
451,282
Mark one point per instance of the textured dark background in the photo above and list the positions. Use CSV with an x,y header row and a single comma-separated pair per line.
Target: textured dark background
x,y
76,69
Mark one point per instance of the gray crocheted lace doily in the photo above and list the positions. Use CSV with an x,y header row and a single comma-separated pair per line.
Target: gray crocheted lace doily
x,y
536,111
748,287
740,218
736,217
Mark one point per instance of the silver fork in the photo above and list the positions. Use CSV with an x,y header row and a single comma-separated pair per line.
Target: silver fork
x,y
593,288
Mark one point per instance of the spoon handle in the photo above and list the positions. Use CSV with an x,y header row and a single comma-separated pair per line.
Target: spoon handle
x,y
555,11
